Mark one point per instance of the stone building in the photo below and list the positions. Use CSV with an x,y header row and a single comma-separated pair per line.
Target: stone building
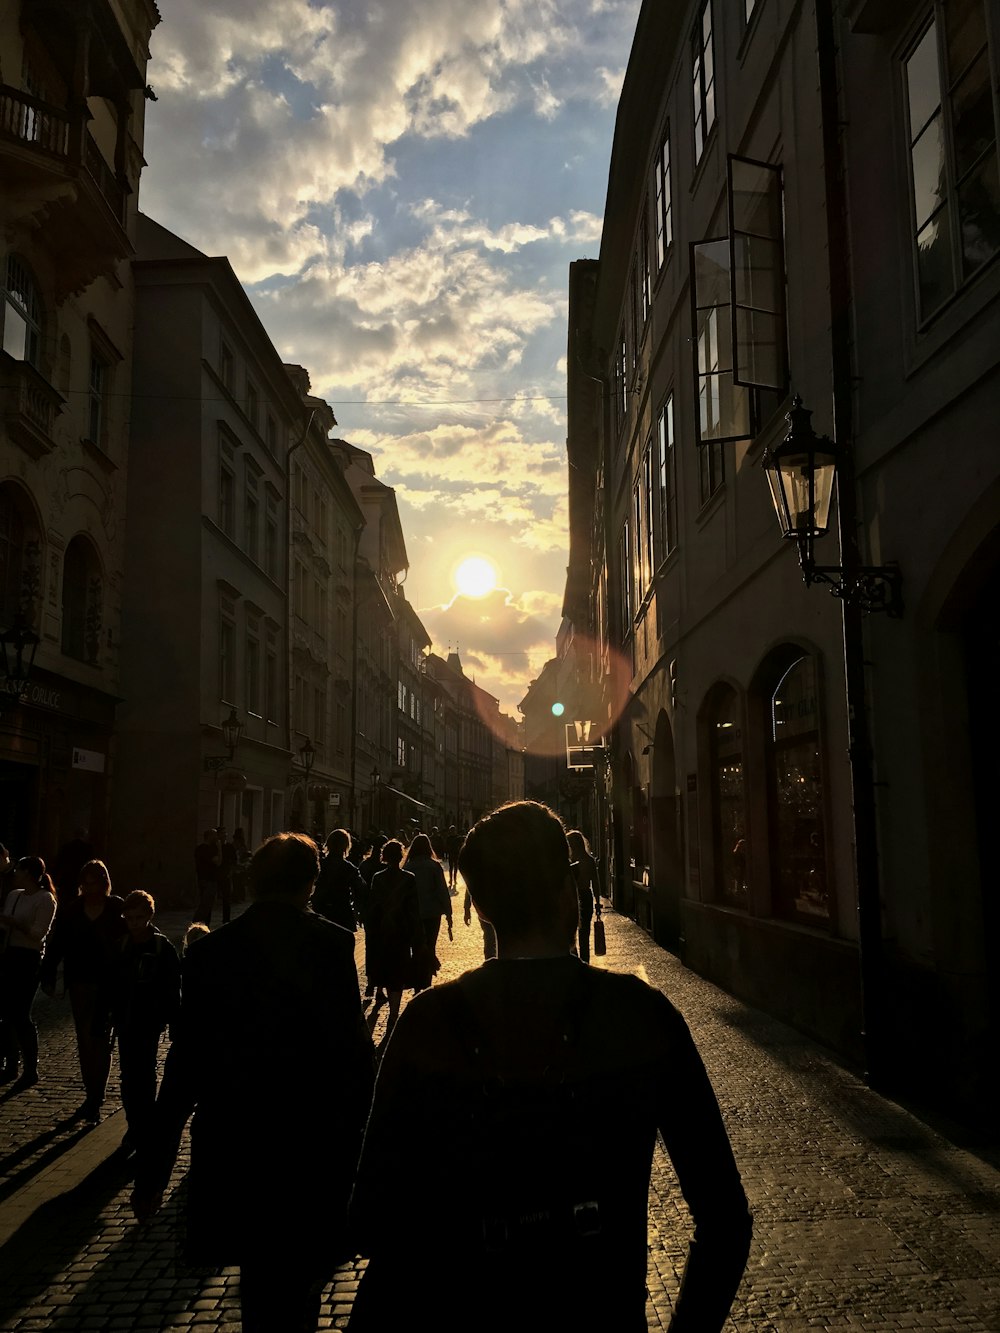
x,y
802,200
72,102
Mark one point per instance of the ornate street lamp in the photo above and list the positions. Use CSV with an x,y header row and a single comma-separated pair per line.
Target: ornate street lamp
x,y
307,756
232,730
801,472
19,644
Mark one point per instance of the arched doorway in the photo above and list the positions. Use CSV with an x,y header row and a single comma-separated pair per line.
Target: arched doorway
x,y
666,859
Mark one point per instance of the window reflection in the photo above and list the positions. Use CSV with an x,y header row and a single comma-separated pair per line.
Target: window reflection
x,y
798,835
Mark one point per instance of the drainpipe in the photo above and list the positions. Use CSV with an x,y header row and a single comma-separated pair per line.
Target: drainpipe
x,y
866,860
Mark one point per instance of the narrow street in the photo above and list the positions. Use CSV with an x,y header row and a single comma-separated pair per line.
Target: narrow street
x,y
865,1216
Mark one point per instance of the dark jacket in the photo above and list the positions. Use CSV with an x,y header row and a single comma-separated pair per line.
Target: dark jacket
x,y
147,984
87,949
272,1054
339,891
528,1061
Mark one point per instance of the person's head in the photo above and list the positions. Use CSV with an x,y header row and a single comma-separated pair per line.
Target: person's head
x,y
196,931
95,882
338,842
284,867
138,910
515,863
239,837
392,852
420,849
30,875
210,835
221,834
579,847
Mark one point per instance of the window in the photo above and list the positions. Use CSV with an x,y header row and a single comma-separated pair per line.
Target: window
x,y
100,374
251,669
301,722
299,591
271,682
703,78
401,696
319,714
81,602
20,556
711,470
251,513
662,202
649,511
625,581
271,434
748,7
757,274
252,404
227,365
227,658
340,727
723,406
638,546
798,873
728,804
645,277
953,151
621,381
271,536
227,500
22,314
666,481
400,751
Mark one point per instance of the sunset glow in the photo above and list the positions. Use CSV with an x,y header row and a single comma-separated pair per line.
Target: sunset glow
x,y
475,576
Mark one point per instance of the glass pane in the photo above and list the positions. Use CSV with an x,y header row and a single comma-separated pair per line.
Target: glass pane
x,y
798,793
709,106
923,83
929,182
711,273
15,333
934,268
979,209
724,408
966,28
759,279
972,116
756,198
760,352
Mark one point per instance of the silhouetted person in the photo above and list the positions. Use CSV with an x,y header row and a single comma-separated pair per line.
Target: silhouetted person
x,y
85,939
26,919
146,997
393,935
228,862
339,888
588,890
533,1218
433,898
207,866
272,1054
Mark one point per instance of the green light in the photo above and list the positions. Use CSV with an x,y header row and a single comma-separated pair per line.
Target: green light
x,y
558,710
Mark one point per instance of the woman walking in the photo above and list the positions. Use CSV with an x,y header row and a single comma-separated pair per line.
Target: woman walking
x,y
588,888
393,929
87,939
27,915
433,898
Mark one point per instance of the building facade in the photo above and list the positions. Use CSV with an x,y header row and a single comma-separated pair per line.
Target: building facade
x,y
71,133
770,232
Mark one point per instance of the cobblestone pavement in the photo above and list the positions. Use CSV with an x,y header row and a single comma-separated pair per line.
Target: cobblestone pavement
x,y
865,1215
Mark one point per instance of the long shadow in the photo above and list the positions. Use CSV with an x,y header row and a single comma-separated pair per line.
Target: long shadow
x,y
46,1248
48,1146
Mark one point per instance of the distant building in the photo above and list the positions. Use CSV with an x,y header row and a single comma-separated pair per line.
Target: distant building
x,y
800,202
71,134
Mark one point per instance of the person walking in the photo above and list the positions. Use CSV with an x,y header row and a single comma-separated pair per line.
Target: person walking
x,y
27,917
228,861
529,1058
272,1055
340,887
433,898
208,867
371,863
86,938
588,890
453,842
146,994
395,938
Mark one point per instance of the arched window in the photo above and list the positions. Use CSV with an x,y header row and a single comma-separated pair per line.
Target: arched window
x,y
795,772
729,821
20,556
81,602
21,313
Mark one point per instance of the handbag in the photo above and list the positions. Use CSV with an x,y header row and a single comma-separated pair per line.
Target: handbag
x,y
600,944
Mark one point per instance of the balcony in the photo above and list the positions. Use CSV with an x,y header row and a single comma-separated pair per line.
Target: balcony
x,y
29,405
52,170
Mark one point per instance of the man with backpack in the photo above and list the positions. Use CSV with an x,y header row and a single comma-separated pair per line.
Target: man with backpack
x,y
542,1222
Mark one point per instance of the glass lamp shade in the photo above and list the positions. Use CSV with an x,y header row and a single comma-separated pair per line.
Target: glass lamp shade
x,y
307,755
232,730
800,472
19,644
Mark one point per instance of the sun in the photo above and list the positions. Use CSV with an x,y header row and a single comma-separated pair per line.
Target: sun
x,y
475,576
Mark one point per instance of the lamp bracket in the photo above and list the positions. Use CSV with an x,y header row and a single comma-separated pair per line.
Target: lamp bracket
x,y
871,588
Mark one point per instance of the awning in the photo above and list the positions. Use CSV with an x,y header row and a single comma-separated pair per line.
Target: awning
x,y
404,797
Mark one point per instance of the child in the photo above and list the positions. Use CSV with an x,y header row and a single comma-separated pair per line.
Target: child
x,y
146,999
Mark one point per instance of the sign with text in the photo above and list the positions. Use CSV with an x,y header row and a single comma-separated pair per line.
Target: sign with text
x,y
90,760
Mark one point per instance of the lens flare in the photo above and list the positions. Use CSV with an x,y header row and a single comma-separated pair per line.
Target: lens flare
x,y
475,576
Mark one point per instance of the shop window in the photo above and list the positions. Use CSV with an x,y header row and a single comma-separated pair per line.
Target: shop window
x,y
22,314
952,133
81,602
795,789
729,822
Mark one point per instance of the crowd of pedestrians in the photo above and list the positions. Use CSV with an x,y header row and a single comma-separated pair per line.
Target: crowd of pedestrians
x,y
271,1046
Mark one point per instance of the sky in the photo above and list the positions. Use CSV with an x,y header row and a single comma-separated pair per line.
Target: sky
x,y
401,187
